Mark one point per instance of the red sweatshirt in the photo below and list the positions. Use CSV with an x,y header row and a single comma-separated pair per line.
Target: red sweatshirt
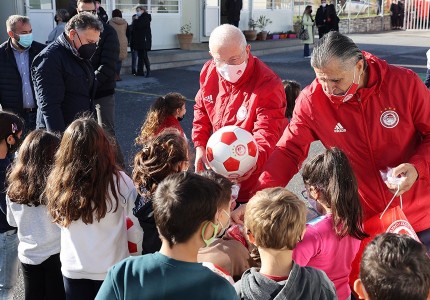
x,y
256,103
383,125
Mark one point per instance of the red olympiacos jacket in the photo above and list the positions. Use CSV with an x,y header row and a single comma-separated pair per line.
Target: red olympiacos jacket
x,y
256,103
383,125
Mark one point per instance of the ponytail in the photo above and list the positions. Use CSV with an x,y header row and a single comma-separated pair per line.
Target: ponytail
x,y
332,175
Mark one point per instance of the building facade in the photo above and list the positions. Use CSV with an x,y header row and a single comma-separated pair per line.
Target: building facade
x,y
167,16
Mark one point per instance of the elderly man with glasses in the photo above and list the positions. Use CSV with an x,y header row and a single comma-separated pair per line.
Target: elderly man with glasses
x,y
237,88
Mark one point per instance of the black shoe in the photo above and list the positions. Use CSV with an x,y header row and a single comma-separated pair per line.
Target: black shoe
x,y
133,72
147,74
139,74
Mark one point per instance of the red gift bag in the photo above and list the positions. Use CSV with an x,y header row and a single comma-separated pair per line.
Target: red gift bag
x,y
391,220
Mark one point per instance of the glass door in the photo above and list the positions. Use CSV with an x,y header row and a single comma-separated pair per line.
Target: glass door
x,y
41,14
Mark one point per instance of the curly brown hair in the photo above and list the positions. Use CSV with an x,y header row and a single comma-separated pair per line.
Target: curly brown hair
x,y
83,172
160,109
160,157
27,177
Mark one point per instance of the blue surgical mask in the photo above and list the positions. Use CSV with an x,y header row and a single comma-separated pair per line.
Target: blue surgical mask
x,y
139,13
25,40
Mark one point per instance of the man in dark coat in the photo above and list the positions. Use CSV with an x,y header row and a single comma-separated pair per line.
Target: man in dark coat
x,y
103,62
16,55
62,74
321,19
233,11
141,39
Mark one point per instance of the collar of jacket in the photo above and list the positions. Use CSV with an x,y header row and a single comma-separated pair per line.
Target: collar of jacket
x,y
62,40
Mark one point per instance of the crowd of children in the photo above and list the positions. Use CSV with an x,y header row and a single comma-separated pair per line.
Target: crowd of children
x,y
66,200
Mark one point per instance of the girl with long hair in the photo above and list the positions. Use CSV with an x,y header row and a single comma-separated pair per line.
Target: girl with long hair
x,y
162,155
332,240
39,238
88,197
165,112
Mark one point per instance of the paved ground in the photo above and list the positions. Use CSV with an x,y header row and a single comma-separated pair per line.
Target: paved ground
x,y
135,94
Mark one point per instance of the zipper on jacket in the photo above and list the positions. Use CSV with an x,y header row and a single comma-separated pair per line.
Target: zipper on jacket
x,y
370,150
224,105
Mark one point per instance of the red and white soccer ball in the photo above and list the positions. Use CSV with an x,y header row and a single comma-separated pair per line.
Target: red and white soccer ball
x,y
134,237
231,151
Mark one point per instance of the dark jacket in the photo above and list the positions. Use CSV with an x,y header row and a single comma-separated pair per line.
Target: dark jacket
x,y
303,283
103,61
141,37
64,84
10,79
321,19
233,9
144,212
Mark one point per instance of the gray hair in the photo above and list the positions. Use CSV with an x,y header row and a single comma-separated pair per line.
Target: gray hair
x,y
227,34
334,45
13,19
84,21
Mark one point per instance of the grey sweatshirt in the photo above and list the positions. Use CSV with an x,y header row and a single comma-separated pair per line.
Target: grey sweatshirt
x,y
303,283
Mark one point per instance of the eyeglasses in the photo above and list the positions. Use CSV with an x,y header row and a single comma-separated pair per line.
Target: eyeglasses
x,y
93,12
232,61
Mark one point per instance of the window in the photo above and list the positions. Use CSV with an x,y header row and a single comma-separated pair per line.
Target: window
x,y
272,4
41,4
153,6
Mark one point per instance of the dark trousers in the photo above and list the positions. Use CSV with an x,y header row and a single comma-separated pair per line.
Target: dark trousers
x,y
142,58
29,120
44,281
306,51
234,23
81,289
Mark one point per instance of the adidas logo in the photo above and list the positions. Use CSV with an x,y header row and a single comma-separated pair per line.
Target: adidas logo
x,y
339,128
208,98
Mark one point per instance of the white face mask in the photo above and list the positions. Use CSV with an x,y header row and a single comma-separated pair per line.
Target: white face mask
x,y
232,73
323,4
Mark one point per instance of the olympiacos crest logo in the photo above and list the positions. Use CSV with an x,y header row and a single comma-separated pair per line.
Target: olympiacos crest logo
x,y
389,118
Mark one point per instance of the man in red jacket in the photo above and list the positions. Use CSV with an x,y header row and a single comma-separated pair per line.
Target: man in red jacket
x,y
378,114
236,88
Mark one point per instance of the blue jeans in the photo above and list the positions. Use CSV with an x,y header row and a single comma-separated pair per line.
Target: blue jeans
x,y
29,121
8,263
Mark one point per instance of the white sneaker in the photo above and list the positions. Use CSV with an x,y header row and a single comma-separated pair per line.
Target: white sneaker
x,y
307,56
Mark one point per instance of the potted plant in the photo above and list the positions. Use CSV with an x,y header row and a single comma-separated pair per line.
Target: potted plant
x,y
282,35
185,37
275,36
291,34
262,23
251,34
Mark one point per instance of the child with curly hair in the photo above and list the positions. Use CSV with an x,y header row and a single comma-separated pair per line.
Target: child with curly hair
x,y
164,154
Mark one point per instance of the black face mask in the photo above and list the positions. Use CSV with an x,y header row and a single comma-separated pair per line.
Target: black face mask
x,y
86,51
310,11
12,148
180,118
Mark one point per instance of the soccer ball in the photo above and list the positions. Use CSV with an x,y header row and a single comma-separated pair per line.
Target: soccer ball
x,y
231,151
134,237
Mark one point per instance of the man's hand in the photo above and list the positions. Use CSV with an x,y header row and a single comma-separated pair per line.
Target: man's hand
x,y
410,175
246,175
201,162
